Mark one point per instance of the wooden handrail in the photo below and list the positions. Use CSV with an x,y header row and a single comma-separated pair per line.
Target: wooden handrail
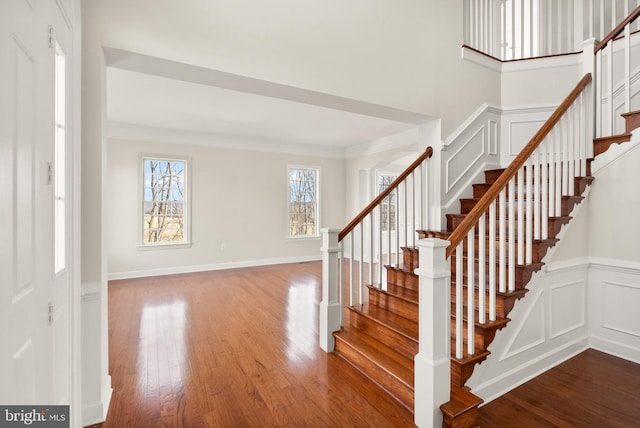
x,y
367,210
483,204
619,29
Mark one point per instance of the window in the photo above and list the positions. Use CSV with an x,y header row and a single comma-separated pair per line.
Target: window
x,y
388,205
59,165
303,202
164,212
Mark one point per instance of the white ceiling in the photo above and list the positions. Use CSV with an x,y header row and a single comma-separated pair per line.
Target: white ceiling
x,y
187,104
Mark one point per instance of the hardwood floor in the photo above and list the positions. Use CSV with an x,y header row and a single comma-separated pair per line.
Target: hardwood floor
x,y
239,348
592,389
235,348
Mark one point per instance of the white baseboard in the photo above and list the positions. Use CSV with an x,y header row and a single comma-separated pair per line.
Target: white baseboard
x,y
620,350
95,412
203,268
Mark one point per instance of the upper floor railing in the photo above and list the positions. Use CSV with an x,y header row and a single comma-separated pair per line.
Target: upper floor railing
x,y
615,71
517,29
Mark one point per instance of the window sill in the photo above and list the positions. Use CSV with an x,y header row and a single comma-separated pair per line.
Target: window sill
x,y
146,247
304,238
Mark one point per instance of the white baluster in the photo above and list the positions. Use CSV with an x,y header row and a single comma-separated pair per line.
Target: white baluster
x,y
459,300
413,209
590,21
503,36
406,214
361,293
389,240
520,229
557,203
551,138
598,95
544,198
512,235
351,287
610,120
529,212
602,30
470,291
570,155
536,194
482,259
627,68
502,235
380,248
492,261
371,248
566,124
397,192
340,279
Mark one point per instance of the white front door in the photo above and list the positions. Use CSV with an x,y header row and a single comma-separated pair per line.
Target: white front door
x,y
30,337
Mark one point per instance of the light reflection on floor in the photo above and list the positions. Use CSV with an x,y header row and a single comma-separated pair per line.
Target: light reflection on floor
x,y
302,316
162,329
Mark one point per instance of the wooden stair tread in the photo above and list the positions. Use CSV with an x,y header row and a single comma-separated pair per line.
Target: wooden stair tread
x,y
515,293
401,325
387,358
553,218
399,291
478,355
498,323
401,267
461,401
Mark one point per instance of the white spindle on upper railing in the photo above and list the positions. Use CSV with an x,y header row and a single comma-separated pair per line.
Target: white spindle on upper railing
x,y
613,77
516,29
562,147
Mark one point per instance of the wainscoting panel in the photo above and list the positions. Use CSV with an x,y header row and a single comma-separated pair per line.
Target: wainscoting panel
x,y
614,299
471,149
568,305
547,327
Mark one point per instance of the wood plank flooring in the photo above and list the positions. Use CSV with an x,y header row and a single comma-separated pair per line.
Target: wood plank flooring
x,y
234,348
593,389
239,348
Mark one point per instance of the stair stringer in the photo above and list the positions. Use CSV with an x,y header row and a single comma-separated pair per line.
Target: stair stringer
x,y
549,325
614,152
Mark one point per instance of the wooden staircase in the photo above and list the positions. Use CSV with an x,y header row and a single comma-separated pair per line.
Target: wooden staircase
x,y
380,337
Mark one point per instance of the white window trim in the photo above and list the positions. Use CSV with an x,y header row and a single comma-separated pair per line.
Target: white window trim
x,y
317,236
186,230
61,226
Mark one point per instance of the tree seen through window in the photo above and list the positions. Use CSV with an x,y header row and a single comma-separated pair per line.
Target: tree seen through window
x,y
303,202
164,201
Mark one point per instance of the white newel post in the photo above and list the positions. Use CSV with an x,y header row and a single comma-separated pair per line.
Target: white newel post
x,y
433,362
330,307
588,57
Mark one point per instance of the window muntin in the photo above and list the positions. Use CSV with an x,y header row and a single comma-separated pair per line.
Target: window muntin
x,y
164,204
303,202
388,206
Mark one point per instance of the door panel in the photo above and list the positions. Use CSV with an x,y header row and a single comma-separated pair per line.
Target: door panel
x,y
25,285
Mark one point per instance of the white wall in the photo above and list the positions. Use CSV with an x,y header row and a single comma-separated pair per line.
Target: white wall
x,y
403,55
531,84
614,283
239,209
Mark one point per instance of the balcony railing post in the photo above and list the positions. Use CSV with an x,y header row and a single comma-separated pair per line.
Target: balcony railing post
x,y
588,58
330,307
433,363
